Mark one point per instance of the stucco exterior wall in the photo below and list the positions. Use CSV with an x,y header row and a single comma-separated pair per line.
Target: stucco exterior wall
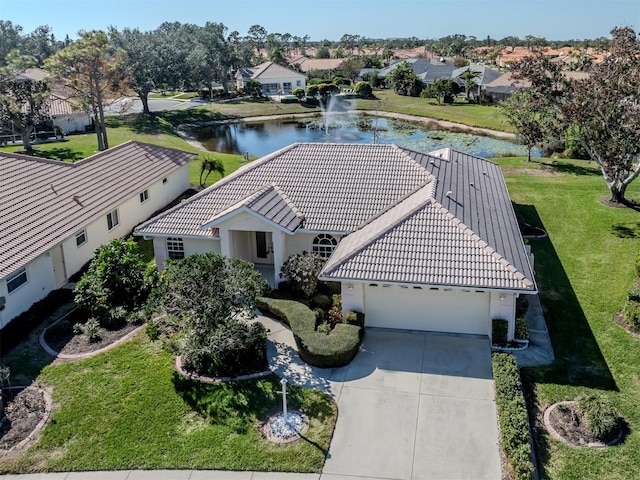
x,y
72,123
40,281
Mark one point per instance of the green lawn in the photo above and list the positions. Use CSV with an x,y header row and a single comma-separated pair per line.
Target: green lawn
x,y
460,112
128,409
584,270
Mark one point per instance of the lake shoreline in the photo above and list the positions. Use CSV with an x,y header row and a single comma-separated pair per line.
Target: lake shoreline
x,y
185,131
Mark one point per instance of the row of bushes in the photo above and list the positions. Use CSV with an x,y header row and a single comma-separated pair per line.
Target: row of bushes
x,y
512,415
17,330
317,348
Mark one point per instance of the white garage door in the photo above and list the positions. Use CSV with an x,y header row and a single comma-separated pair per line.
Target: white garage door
x,y
452,311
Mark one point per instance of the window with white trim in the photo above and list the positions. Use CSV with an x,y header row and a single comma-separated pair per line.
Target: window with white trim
x,y
324,245
175,248
112,219
81,237
144,196
17,279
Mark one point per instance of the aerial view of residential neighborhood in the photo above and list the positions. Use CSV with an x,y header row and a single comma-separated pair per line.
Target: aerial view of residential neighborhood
x,y
240,243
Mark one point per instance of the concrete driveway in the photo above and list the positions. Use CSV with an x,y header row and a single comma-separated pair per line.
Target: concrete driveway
x,y
412,405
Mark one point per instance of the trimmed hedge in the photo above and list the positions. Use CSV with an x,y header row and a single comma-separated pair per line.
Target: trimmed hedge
x,y
512,415
19,327
316,348
499,331
632,313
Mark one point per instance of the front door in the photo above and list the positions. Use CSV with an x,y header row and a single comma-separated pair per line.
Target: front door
x,y
264,248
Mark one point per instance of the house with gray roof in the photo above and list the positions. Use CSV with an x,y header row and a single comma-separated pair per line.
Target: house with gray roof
x,y
275,79
417,241
53,214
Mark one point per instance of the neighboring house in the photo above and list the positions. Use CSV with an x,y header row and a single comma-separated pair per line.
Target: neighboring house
x,y
53,215
484,76
502,88
275,79
417,241
318,64
435,72
68,118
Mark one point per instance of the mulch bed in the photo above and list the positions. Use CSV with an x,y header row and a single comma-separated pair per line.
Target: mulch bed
x,y
567,425
60,336
619,319
24,410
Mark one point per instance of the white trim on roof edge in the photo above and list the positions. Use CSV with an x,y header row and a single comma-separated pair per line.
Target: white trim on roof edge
x,y
244,209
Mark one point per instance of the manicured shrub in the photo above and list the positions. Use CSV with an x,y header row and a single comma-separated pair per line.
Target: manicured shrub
x,y
634,292
632,313
512,415
354,318
600,416
499,331
522,329
321,301
312,90
17,329
316,348
638,265
298,92
363,89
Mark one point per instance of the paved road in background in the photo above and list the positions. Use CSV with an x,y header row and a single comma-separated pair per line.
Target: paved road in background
x,y
134,105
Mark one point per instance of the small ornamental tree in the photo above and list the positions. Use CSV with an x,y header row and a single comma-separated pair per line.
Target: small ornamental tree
x,y
205,297
253,88
363,89
298,92
118,278
301,271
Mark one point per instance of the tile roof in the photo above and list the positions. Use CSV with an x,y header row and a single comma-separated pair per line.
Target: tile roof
x,y
268,70
307,64
419,242
271,203
393,203
335,186
45,201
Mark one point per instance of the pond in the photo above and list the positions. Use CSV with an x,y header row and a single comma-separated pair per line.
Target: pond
x,y
262,138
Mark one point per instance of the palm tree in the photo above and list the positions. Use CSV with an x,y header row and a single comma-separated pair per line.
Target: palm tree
x,y
210,164
469,78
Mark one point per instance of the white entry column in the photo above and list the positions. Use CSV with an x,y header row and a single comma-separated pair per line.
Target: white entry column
x,y
278,241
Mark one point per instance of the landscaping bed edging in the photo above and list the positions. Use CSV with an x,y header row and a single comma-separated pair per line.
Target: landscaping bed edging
x,y
202,378
48,408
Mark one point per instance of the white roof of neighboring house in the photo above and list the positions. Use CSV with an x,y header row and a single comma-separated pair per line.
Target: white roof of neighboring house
x,y
45,201
266,71
443,218
307,64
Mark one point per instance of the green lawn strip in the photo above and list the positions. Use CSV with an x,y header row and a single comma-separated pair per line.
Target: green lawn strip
x,y
583,270
460,112
128,409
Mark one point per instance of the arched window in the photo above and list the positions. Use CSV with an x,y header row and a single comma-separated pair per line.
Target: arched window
x,y
324,245
175,248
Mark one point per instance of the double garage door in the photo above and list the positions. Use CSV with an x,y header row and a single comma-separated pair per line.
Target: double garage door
x,y
453,311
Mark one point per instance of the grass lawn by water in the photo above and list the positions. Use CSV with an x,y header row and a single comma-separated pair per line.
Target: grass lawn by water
x,y
584,269
460,112
128,409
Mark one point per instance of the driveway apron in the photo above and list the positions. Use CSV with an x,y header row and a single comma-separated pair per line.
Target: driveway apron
x,y
412,405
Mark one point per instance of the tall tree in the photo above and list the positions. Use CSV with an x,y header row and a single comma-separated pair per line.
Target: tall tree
x,y
141,62
92,71
41,43
521,112
469,77
10,39
402,78
603,109
24,103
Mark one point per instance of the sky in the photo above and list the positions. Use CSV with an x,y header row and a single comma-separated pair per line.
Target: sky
x,y
330,19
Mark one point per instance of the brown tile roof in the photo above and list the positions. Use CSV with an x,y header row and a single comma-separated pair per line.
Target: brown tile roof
x,y
307,64
45,201
454,202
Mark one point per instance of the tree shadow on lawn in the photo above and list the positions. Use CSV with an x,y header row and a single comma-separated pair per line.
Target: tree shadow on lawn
x,y
578,359
60,153
588,169
239,404
626,230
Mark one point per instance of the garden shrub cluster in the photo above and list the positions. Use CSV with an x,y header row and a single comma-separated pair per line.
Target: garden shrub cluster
x,y
15,331
321,349
499,331
512,415
600,416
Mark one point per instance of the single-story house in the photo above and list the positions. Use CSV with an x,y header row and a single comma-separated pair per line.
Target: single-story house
x,y
69,118
275,79
417,241
318,64
53,214
484,76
